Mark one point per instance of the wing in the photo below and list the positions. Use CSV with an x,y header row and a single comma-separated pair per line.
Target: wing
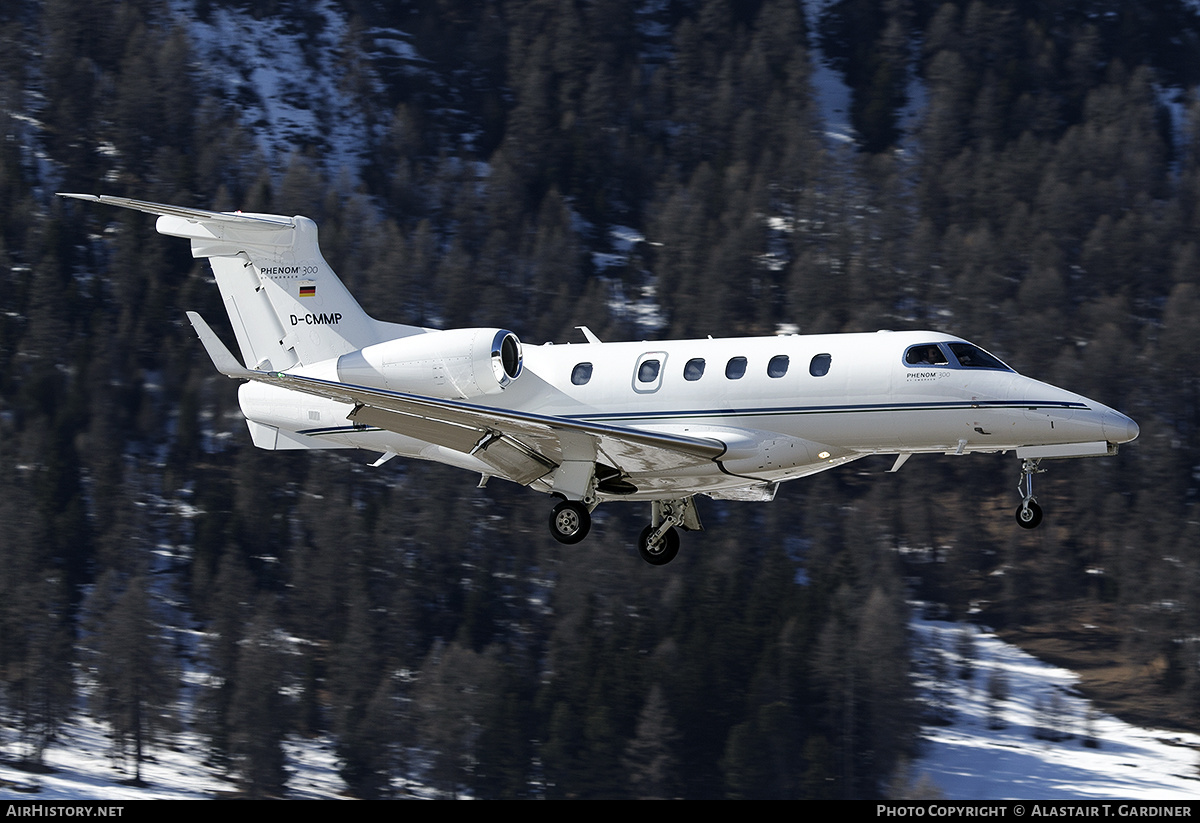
x,y
519,446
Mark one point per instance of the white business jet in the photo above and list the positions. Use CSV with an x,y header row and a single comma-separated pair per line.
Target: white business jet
x,y
651,421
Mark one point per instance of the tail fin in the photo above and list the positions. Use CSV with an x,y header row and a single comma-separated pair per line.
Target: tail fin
x,y
286,305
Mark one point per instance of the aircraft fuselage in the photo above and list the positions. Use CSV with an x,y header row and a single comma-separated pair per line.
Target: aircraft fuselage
x,y
784,406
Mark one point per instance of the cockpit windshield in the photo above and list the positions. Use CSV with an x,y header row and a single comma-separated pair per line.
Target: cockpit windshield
x,y
973,357
965,355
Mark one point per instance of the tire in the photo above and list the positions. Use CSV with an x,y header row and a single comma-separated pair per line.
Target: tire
x,y
570,522
1029,515
664,553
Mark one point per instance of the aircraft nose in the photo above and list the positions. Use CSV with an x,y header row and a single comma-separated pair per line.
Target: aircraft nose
x,y
1118,428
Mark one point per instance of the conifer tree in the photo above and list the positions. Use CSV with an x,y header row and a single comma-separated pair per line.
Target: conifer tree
x,y
135,681
258,710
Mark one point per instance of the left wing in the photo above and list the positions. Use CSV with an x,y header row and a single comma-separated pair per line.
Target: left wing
x,y
520,446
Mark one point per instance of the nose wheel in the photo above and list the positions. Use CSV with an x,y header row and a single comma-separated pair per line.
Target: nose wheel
x,y
1029,513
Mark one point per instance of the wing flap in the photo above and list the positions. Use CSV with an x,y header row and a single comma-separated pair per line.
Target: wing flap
x,y
510,458
451,435
513,459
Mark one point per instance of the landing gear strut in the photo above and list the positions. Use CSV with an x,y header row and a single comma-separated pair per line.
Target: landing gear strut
x,y
570,522
1029,513
659,542
658,550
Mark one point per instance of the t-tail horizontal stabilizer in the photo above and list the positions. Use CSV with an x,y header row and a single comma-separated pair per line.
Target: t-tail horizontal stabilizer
x,y
222,358
264,221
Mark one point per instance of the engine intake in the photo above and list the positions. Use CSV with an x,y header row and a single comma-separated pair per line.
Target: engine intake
x,y
454,364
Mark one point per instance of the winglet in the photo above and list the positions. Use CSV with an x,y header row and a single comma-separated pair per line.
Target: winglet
x,y
225,362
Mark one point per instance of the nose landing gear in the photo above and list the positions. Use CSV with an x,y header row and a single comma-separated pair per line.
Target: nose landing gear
x,y
1029,513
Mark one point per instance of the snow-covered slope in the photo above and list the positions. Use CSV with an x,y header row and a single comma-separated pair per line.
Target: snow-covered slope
x,y
297,81
1004,753
966,760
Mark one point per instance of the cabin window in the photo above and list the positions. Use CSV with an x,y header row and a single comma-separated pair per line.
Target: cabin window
x,y
819,366
581,374
974,357
778,366
735,369
926,354
694,369
648,371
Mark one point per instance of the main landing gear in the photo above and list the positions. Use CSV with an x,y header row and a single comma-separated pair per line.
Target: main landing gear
x,y
658,544
658,547
1029,513
570,522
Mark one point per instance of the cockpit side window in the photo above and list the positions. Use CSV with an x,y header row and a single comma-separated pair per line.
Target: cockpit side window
x,y
973,357
926,354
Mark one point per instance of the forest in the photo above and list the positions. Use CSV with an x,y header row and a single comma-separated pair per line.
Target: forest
x,y
1024,174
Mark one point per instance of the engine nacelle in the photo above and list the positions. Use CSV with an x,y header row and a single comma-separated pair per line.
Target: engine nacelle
x,y
459,363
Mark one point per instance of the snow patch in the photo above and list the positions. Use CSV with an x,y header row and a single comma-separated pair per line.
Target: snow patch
x,y
1006,749
286,81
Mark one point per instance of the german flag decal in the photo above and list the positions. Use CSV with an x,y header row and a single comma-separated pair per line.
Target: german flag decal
x,y
308,289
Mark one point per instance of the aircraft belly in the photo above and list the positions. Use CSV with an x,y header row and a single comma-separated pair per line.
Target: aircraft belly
x,y
657,487
938,430
869,428
770,454
1048,427
719,483
983,428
